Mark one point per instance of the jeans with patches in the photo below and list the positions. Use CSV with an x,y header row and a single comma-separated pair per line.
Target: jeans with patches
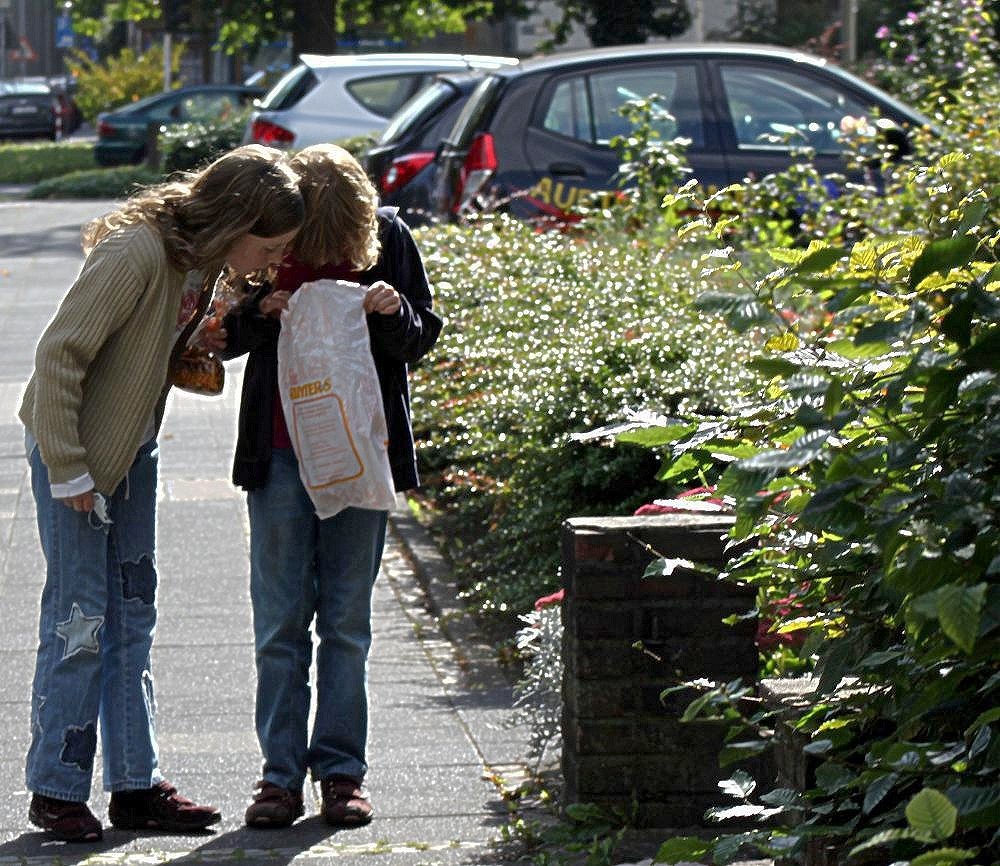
x,y
98,614
303,568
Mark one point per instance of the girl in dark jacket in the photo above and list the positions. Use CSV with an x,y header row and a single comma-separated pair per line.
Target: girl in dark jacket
x,y
302,567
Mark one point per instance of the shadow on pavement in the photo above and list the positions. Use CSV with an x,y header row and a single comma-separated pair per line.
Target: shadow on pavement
x,y
275,847
272,846
37,844
58,240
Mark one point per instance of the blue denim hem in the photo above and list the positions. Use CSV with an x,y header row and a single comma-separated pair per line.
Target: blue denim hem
x,y
55,794
135,784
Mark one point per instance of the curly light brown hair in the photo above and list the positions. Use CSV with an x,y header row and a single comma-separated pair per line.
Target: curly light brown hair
x,y
250,190
341,225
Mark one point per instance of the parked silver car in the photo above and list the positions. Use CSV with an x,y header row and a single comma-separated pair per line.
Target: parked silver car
x,y
326,98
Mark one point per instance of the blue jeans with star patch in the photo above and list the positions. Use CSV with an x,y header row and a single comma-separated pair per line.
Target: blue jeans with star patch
x,y
98,614
309,573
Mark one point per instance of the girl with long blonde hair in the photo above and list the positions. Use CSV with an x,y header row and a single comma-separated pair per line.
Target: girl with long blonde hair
x,y
91,412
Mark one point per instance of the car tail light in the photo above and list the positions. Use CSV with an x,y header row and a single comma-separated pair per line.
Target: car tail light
x,y
403,169
479,166
268,132
105,130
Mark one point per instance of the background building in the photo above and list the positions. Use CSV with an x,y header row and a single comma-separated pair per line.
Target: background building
x,y
28,38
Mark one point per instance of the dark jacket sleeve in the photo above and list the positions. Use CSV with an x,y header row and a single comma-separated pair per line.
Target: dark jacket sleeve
x,y
247,330
412,332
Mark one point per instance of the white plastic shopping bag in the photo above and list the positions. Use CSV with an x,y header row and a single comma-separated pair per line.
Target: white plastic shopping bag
x,y
331,399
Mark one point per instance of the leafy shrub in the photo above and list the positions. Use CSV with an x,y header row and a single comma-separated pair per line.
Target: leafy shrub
x,y
538,693
928,54
356,144
868,473
118,80
548,335
29,163
96,183
188,146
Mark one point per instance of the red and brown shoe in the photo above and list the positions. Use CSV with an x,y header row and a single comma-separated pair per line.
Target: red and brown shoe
x,y
159,808
345,804
65,820
273,807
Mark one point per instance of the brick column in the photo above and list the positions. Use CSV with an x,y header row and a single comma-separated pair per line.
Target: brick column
x,y
621,743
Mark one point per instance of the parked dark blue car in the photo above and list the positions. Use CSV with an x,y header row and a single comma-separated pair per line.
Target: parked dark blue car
x,y
537,136
28,109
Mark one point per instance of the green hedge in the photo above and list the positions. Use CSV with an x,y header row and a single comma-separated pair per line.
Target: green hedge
x,y
549,335
96,183
30,163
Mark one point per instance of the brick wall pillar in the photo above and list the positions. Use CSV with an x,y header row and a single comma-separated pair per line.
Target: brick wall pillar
x,y
621,743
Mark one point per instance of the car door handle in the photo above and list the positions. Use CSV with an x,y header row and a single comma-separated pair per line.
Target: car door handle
x,y
566,168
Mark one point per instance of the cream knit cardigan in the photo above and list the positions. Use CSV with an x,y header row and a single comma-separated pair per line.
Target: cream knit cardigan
x,y
101,364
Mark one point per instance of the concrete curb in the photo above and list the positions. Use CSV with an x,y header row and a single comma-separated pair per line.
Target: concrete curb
x,y
455,619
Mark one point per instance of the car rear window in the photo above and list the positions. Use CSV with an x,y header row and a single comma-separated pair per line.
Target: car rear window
x,y
23,89
384,95
425,103
295,84
474,112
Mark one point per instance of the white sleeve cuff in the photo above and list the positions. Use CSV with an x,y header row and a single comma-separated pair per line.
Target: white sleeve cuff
x,y
72,488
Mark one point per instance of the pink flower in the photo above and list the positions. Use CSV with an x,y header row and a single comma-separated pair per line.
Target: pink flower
x,y
701,493
912,17
882,32
546,600
653,508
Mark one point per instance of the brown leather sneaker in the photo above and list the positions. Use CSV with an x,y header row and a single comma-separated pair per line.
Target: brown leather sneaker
x,y
159,808
65,820
273,807
345,804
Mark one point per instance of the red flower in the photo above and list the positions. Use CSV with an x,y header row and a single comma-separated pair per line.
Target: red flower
x,y
694,493
546,600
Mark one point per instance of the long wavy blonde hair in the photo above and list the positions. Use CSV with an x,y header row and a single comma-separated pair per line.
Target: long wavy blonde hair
x,y
250,190
341,225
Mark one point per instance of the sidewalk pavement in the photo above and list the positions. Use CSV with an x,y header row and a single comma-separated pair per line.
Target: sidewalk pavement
x,y
440,708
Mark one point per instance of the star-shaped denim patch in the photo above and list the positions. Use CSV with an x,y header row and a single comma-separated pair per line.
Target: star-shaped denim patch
x,y
79,632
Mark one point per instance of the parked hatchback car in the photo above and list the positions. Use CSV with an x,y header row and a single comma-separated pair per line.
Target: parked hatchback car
x,y
401,161
28,109
537,135
122,134
329,98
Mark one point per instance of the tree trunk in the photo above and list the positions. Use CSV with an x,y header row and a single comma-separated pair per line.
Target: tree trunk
x,y
315,28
